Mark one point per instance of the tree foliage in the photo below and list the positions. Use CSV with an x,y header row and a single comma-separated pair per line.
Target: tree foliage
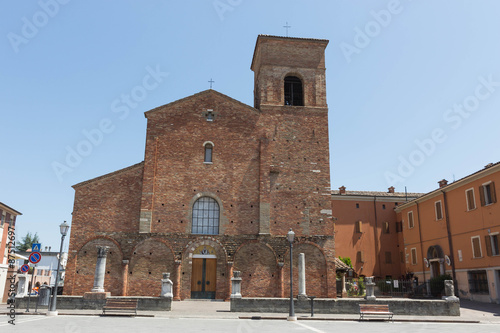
x,y
27,241
346,260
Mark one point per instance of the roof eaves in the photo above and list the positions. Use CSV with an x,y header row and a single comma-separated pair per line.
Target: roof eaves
x,y
108,175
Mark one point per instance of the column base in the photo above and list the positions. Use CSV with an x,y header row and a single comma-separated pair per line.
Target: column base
x,y
52,313
96,295
291,318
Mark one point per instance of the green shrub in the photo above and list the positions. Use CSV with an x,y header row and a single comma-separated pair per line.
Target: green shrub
x,y
437,284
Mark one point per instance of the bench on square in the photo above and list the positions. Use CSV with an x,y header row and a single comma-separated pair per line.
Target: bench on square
x,y
120,306
375,310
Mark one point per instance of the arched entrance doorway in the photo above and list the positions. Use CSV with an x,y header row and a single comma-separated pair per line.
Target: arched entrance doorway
x,y
435,255
204,273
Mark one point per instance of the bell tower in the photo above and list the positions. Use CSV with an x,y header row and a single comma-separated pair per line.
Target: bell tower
x,y
290,92
289,72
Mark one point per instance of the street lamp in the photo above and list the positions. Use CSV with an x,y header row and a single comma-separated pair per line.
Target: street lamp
x,y
64,227
290,236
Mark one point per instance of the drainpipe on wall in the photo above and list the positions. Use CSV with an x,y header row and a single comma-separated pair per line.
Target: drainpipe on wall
x,y
421,243
375,233
450,242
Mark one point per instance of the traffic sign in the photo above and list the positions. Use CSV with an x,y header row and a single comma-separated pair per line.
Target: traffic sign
x,y
35,257
25,268
36,247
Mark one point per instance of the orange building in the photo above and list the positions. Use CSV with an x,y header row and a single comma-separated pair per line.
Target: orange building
x,y
366,230
7,242
455,230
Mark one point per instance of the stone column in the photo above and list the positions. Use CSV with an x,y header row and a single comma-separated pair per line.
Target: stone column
x,y
230,274
236,285
370,289
100,269
302,277
125,277
166,286
344,290
177,286
281,280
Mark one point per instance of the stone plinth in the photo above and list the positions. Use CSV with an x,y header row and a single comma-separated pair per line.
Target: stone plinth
x,y
167,286
96,295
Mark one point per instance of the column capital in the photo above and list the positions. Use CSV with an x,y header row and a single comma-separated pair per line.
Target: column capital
x,y
102,251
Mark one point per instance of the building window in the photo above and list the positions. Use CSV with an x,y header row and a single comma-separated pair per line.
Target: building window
x,y
478,282
205,216
402,257
411,223
439,210
386,228
471,202
383,206
388,257
293,91
359,226
2,221
487,193
399,226
208,152
476,247
413,256
492,244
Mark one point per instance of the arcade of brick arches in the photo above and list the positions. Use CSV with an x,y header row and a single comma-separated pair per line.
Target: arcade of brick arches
x,y
220,186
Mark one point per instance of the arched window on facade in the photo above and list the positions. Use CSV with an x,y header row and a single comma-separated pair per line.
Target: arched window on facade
x,y
208,152
294,94
205,216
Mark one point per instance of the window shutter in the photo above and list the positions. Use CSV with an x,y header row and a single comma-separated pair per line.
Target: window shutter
x,y
439,211
470,200
481,195
359,227
487,240
361,256
476,247
414,256
493,193
388,258
386,227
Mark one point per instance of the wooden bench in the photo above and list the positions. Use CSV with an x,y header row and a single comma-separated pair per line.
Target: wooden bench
x,y
374,309
120,306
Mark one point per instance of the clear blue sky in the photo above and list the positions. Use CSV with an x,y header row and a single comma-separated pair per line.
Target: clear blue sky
x,y
397,75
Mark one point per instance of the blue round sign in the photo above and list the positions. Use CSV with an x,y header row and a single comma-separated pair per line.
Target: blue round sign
x,y
25,268
35,257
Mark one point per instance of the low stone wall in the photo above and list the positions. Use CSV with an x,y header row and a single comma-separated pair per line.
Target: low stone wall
x,y
80,303
411,307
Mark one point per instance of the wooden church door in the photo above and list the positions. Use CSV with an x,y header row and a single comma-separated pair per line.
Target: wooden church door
x,y
203,278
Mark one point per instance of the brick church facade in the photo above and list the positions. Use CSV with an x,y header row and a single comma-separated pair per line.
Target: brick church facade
x,y
220,186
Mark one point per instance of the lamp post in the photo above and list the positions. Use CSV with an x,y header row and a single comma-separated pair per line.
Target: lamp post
x,y
64,227
290,236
